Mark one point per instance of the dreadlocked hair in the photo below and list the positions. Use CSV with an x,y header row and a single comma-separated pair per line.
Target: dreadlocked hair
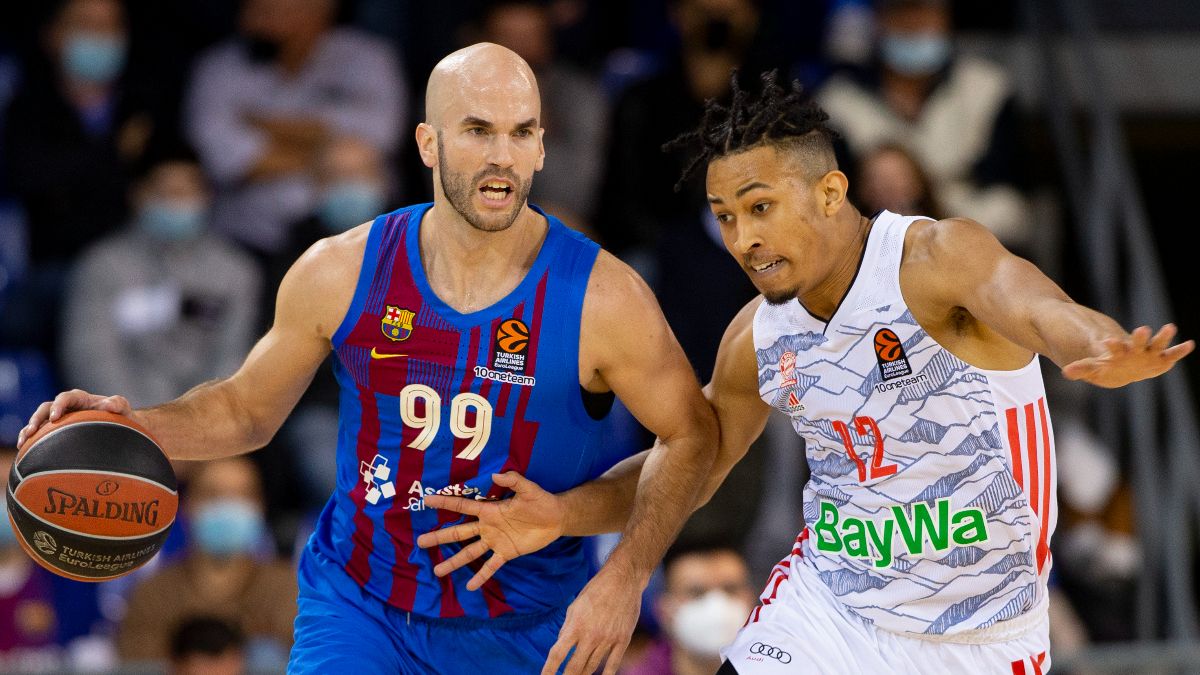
x,y
778,115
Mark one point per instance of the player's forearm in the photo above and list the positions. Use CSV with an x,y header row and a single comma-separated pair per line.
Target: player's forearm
x,y
672,480
1071,331
208,422
604,504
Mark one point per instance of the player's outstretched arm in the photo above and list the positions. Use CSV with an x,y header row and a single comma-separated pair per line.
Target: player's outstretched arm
x,y
959,263
242,412
533,518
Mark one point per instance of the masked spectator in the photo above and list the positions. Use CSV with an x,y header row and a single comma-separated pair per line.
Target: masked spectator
x,y
223,574
165,304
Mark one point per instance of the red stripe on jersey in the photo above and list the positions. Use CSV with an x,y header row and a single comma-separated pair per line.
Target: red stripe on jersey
x,y
359,566
1031,442
1037,663
398,520
1043,546
1014,445
1018,667
520,444
450,607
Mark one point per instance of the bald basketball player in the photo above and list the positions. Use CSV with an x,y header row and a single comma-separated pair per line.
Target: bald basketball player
x,y
904,351
477,340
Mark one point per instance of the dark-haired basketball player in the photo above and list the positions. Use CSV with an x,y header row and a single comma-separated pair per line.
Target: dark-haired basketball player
x,y
476,338
904,350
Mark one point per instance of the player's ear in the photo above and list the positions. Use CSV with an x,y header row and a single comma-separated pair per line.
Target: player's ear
x,y
427,144
831,190
541,160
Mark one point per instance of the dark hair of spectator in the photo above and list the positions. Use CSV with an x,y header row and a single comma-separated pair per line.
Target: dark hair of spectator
x,y
163,150
682,549
205,635
779,116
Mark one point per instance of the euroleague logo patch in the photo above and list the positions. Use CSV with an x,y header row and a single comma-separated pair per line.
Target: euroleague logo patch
x,y
511,346
889,351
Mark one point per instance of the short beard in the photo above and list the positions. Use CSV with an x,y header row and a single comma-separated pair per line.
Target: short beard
x,y
460,191
780,297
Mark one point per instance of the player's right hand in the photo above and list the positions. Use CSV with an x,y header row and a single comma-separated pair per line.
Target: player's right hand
x,y
508,528
76,399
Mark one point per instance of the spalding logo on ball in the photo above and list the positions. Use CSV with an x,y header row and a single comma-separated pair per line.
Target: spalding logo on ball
x,y
92,496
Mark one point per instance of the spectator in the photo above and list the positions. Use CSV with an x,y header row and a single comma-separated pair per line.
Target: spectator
x,y
47,623
889,177
956,115
207,645
574,110
220,575
715,37
261,108
706,599
163,305
72,131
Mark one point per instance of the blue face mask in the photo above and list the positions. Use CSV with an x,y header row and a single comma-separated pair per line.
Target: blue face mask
x,y
94,57
916,54
228,528
349,203
172,221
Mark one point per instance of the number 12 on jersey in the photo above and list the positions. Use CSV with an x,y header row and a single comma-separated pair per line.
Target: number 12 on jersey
x,y
862,424
429,419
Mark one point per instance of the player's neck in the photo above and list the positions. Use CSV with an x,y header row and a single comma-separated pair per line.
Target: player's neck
x,y
847,254
470,269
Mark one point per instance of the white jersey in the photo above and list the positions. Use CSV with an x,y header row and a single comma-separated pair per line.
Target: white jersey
x,y
931,500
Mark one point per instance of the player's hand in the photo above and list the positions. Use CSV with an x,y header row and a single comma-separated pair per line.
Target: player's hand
x,y
508,528
76,399
598,625
1137,357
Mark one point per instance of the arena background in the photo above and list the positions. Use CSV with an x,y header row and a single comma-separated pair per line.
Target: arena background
x,y
1084,162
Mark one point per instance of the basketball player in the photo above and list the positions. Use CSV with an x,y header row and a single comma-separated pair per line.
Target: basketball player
x,y
904,351
477,338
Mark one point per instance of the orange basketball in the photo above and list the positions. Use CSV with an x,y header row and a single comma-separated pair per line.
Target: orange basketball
x,y
92,496
887,345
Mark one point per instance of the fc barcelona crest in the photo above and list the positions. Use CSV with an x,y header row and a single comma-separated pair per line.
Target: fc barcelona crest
x,y
396,323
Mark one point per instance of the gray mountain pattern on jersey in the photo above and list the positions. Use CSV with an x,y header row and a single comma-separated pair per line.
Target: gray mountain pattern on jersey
x,y
941,430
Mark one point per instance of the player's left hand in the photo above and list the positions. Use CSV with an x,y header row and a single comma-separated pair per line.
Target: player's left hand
x,y
598,625
508,528
1137,357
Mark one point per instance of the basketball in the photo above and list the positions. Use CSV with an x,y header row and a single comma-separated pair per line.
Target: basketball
x,y
887,345
92,496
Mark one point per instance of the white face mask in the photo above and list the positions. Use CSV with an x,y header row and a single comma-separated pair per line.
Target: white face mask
x,y
708,623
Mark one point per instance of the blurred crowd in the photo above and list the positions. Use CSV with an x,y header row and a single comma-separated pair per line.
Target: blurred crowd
x,y
163,163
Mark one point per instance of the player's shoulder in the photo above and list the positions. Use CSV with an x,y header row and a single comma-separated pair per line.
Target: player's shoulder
x,y
321,283
945,241
614,287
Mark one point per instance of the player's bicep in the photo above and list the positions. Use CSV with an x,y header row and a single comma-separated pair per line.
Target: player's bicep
x,y
637,356
282,363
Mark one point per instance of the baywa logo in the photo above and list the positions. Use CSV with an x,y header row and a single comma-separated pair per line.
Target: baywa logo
x,y
45,543
923,529
762,649
889,352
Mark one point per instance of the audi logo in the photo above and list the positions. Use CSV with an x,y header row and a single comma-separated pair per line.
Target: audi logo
x,y
773,652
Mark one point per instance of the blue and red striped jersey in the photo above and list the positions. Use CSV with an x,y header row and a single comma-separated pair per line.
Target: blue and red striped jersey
x,y
435,401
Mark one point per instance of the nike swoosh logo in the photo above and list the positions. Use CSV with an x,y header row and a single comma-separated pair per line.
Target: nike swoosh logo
x,y
377,355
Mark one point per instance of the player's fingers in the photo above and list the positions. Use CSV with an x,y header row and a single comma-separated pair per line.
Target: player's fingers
x,y
460,559
1179,351
514,481
1163,337
449,535
1118,346
558,652
614,659
39,417
1140,337
591,665
489,568
470,507
115,404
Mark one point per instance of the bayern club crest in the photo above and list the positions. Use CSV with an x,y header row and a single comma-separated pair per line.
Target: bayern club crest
x,y
396,323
